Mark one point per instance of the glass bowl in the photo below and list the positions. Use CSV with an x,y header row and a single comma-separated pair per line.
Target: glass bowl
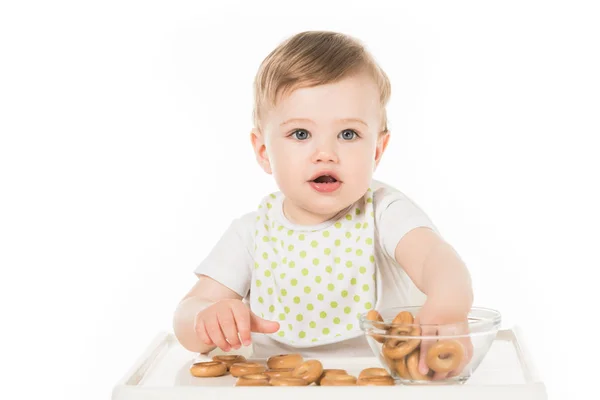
x,y
454,351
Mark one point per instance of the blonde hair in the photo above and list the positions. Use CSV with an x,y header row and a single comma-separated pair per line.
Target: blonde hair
x,y
314,58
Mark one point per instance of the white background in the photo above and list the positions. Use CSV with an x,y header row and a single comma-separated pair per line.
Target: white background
x,y
125,153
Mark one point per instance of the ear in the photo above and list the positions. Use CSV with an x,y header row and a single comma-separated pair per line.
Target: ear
x,y
382,142
260,150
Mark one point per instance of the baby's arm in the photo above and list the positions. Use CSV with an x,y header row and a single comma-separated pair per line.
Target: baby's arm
x,y
212,315
205,292
437,270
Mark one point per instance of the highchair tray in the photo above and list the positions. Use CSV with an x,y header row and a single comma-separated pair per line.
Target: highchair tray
x,y
162,373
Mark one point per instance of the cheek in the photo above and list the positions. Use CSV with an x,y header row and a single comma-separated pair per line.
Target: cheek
x,y
284,161
363,157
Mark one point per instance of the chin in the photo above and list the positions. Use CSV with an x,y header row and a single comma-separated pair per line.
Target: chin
x,y
327,206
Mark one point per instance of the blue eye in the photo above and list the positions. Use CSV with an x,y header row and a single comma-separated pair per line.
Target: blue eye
x,y
301,134
348,134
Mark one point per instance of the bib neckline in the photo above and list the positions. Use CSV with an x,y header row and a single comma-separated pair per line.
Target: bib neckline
x,y
283,220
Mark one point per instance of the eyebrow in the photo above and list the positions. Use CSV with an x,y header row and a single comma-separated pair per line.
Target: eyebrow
x,y
360,121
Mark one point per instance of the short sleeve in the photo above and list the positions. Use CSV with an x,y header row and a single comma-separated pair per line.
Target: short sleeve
x,y
230,261
395,216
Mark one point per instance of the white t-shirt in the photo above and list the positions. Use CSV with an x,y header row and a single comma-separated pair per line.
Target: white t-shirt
x,y
316,280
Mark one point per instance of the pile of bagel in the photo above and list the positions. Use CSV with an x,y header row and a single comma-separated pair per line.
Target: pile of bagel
x,y
287,370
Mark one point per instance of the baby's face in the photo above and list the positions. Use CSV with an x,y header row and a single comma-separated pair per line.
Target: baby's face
x,y
322,145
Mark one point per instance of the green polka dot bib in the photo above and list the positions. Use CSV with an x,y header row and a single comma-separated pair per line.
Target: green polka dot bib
x,y
314,281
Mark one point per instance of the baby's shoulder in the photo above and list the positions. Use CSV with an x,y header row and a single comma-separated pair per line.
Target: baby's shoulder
x,y
264,204
248,219
385,194
243,226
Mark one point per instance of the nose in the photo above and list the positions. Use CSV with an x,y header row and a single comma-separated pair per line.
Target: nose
x,y
325,153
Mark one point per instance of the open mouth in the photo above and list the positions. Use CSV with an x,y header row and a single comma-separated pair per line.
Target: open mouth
x,y
325,179
326,183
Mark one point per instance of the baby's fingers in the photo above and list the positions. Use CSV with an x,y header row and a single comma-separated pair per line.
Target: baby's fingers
x,y
241,313
425,345
200,329
216,335
229,328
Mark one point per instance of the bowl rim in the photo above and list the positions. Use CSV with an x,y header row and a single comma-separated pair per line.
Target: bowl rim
x,y
494,319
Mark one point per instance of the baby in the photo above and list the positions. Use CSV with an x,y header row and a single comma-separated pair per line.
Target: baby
x,y
295,274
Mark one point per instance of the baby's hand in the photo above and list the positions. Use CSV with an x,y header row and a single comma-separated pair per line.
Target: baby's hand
x,y
441,313
219,324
